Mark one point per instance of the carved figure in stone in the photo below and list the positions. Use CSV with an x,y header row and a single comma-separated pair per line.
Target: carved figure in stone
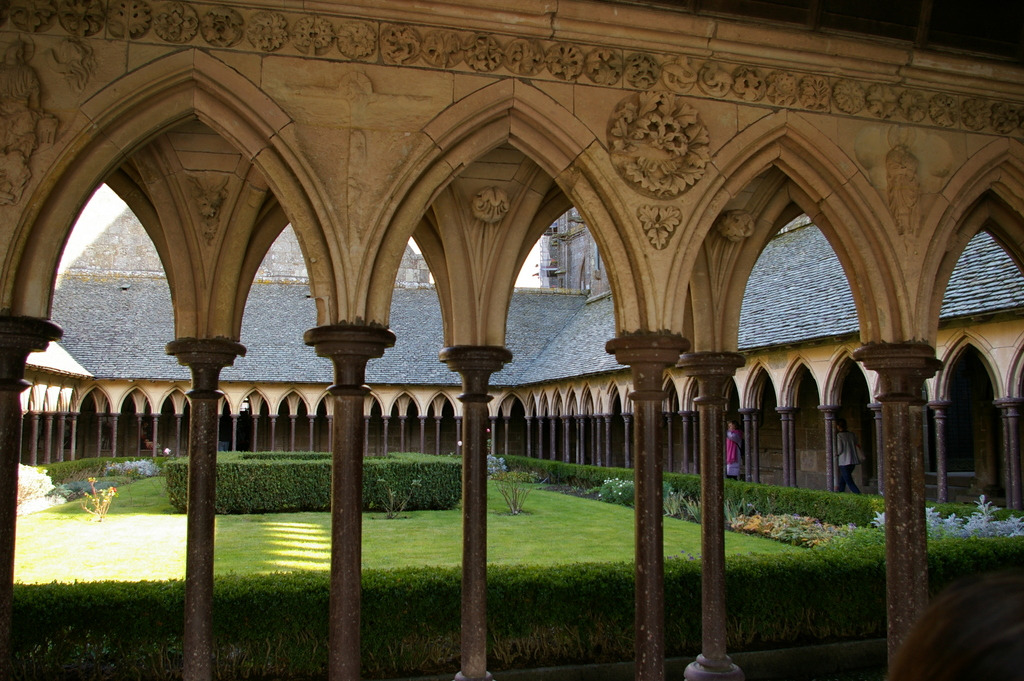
x,y
565,61
814,93
74,60
81,17
902,185
603,66
399,44
735,225
490,205
943,110
881,101
658,143
209,196
783,89
128,18
222,27
176,23
642,71
748,84
32,16
659,223
267,31
442,49
714,80
975,113
1005,117
313,34
849,96
357,39
679,75
24,126
913,106
524,57
482,52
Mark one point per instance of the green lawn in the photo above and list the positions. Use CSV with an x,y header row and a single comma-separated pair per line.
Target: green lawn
x,y
143,538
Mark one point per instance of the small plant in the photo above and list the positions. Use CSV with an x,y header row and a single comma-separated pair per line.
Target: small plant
x,y
789,529
513,488
495,465
133,470
97,502
616,491
981,523
395,503
35,490
675,505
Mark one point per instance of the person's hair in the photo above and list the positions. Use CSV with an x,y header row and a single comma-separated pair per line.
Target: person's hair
x,y
973,630
841,423
732,424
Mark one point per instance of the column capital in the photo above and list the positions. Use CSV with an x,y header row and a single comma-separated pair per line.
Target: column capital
x,y
828,408
902,368
349,347
205,357
712,371
1002,402
749,410
475,363
648,355
939,405
20,336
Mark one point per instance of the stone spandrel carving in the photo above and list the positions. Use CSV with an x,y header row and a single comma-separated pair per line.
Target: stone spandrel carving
x,y
399,44
913,106
24,125
748,84
442,49
735,225
33,16
313,35
658,143
814,93
524,57
943,110
565,61
848,96
678,75
81,18
74,59
1006,118
267,31
490,205
783,88
128,18
357,39
714,80
482,52
603,66
222,27
881,101
641,71
209,195
176,23
903,188
975,113
659,223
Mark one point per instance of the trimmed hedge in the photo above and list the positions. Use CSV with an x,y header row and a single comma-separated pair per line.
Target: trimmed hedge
x,y
275,626
62,471
293,481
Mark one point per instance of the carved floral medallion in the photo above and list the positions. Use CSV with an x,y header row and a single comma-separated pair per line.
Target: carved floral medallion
x,y
176,23
659,223
735,225
490,205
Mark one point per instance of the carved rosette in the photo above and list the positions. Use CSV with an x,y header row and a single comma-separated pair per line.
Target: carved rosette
x,y
881,101
33,16
913,106
659,223
975,113
943,110
357,39
735,225
442,49
848,96
783,89
565,61
603,66
490,205
399,44
524,57
267,31
748,84
176,23
658,143
482,53
222,27
128,19
81,18
713,80
313,34
679,76
642,71
813,93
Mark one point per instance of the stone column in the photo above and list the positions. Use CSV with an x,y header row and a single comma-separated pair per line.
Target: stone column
x,y
385,420
876,410
566,452
751,445
99,434
73,444
475,364
647,356
33,439
685,422
626,440
494,436
234,432
713,371
330,434
595,441
255,432
506,419
902,369
156,434
401,432
291,431
608,440
529,436
787,415
1009,409
273,433
114,435
349,349
939,408
829,411
437,435
48,437
671,455
205,357
581,438
366,435
310,419
177,433
553,437
138,430
423,433
19,336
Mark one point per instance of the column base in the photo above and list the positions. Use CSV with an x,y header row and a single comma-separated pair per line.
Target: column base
x,y
461,677
706,670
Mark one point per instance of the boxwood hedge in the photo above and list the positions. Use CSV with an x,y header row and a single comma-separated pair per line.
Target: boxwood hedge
x,y
276,482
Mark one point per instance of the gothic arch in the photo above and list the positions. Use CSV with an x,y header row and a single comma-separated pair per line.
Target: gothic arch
x,y
955,351
839,367
791,382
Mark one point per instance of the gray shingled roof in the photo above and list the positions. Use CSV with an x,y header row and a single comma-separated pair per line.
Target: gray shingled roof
x,y
117,326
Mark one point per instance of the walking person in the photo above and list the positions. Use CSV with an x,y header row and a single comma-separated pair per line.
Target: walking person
x,y
733,450
847,454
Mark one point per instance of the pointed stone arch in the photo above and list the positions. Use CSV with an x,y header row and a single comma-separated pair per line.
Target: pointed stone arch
x,y
955,351
791,381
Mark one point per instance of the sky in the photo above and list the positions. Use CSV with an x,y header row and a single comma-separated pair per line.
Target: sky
x,y
103,208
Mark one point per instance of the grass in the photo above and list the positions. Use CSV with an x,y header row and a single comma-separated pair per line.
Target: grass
x,y
143,538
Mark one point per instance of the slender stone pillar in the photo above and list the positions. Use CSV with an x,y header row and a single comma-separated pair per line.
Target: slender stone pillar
x,y
366,435
566,435
648,356
685,426
73,444
99,434
751,461
475,364
713,371
595,440
1009,409
829,411
177,433
423,433
401,432
876,410
581,438
671,454
330,434
494,436
607,439
291,431
437,435
19,336
255,432
273,433
529,436
939,408
506,419
205,357
386,420
349,349
787,415
553,437
115,435
626,440
48,437
902,369
33,438
540,438
138,431
156,433
310,420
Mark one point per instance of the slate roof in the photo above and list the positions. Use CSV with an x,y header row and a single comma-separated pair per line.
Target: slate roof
x,y
116,326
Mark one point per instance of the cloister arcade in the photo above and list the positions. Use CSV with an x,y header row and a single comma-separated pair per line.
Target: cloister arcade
x,y
684,140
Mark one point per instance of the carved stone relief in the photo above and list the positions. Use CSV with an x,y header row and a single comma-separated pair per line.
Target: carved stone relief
x,y
881,101
658,143
975,113
714,80
679,75
735,225
267,31
442,49
813,93
222,27
490,205
943,110
783,89
24,125
128,18
641,71
176,23
313,34
748,84
659,223
209,195
565,61
848,96
399,44
33,16
81,18
903,188
524,57
73,59
483,53
603,66
357,39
